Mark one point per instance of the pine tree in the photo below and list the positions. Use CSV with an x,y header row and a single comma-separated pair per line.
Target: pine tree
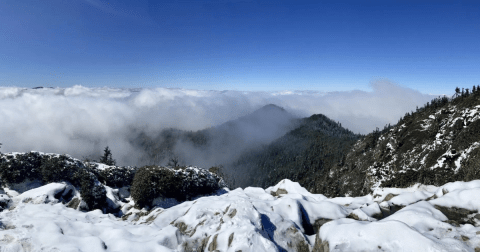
x,y
107,157
457,91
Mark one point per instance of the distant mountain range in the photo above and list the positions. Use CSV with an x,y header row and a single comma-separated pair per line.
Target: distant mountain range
x,y
217,145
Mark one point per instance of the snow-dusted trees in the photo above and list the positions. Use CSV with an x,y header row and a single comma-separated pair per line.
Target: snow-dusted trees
x,y
107,157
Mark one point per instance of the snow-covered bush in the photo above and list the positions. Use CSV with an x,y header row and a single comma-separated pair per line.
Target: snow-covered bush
x,y
182,184
115,176
93,194
60,168
48,168
16,168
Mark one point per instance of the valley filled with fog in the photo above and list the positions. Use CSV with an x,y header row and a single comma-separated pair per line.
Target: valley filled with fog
x,y
81,121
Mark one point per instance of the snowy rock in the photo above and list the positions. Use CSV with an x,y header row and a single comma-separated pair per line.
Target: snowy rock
x,y
285,217
4,201
389,235
52,192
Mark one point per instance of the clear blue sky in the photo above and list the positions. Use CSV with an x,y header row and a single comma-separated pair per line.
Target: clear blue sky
x,y
240,45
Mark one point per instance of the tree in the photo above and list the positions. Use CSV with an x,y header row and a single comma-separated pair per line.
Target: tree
x,y
107,157
174,161
457,91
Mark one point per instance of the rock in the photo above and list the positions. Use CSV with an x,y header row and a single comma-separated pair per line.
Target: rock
x,y
458,215
353,216
74,203
296,240
389,196
320,246
230,239
319,223
213,244
358,214
203,244
453,223
232,213
279,192
4,201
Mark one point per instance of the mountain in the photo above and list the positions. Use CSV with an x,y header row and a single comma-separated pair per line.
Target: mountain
x,y
220,144
434,145
305,154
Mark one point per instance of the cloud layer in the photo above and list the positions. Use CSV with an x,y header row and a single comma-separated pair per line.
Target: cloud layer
x,y
81,121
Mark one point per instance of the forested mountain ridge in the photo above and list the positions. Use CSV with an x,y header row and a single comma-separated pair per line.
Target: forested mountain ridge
x,y
434,145
304,154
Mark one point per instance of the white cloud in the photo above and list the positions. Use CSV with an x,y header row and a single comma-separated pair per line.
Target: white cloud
x,y
81,121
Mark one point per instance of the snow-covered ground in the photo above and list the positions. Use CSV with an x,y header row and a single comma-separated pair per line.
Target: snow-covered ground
x,y
285,217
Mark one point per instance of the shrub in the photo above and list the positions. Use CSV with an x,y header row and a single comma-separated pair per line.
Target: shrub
x,y
116,177
58,169
16,168
151,182
147,185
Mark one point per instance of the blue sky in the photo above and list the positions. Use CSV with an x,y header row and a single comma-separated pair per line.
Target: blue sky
x,y
430,46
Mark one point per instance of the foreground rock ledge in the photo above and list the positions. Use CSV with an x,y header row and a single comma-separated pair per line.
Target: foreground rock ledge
x,y
285,217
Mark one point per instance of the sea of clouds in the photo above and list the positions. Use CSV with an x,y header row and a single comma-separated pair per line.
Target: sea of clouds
x,y
81,121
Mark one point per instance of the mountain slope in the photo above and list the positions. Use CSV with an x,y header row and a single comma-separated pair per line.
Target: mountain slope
x,y
435,145
304,154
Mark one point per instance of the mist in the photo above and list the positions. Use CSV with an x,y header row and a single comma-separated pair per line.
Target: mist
x,y
227,142
81,121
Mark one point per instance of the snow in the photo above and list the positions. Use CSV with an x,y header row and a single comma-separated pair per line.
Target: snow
x,y
422,216
462,198
43,194
390,235
371,209
57,228
381,193
250,219
410,197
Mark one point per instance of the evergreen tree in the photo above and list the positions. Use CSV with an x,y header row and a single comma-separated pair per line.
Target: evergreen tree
x,y
457,91
107,157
